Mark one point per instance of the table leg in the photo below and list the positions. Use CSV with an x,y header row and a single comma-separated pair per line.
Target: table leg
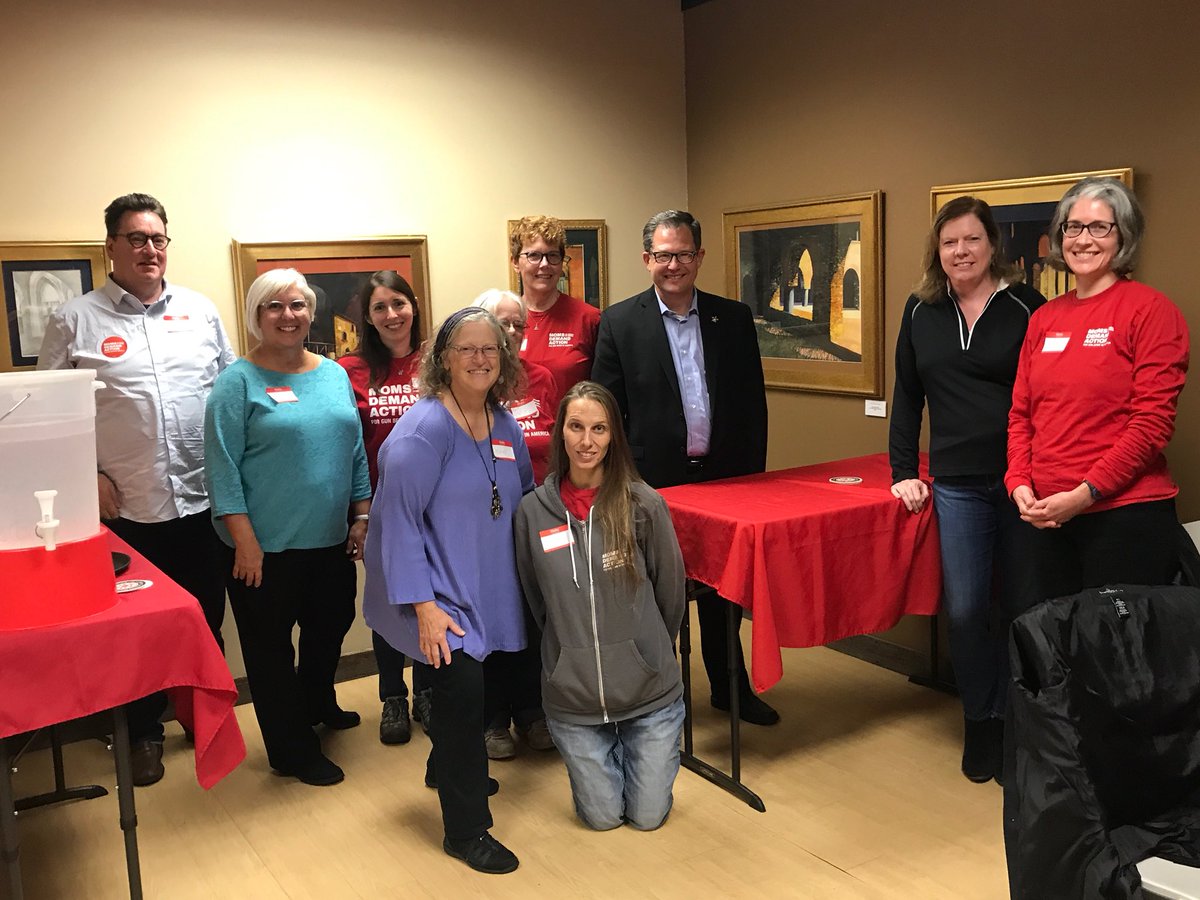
x,y
10,842
125,800
933,679
61,792
687,758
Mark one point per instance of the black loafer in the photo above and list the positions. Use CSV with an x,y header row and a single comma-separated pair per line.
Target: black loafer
x,y
338,719
320,772
483,854
751,708
145,758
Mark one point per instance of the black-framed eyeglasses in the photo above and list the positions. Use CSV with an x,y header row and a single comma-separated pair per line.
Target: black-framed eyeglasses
x,y
139,239
275,307
1071,228
467,351
553,257
685,257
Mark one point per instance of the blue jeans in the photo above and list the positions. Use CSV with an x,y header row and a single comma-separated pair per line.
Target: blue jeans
x,y
623,771
985,575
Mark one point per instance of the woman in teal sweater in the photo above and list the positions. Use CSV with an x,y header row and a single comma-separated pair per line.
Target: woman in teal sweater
x,y
286,472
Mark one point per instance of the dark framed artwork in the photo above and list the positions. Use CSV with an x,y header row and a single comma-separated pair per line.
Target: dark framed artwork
x,y
1023,208
586,275
812,272
336,271
36,279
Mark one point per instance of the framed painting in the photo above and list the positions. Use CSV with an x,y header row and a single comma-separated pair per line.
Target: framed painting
x,y
36,279
586,273
1023,208
812,272
336,271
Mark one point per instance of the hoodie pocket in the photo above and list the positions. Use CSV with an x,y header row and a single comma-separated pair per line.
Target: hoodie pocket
x,y
628,679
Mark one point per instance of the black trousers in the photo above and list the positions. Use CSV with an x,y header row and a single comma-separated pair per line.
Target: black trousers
x,y
1134,544
312,588
390,662
459,758
187,550
512,682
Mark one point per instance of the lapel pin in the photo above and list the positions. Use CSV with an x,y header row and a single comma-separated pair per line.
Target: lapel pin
x,y
713,320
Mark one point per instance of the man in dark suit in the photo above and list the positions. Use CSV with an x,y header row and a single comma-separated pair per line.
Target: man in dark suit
x,y
685,369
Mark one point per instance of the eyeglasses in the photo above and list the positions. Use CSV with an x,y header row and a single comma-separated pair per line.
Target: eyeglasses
x,y
513,324
553,257
467,351
1072,228
685,257
139,239
275,307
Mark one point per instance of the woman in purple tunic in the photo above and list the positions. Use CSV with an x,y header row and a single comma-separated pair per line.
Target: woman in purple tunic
x,y
441,569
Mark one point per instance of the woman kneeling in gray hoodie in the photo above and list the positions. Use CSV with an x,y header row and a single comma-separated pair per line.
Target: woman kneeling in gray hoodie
x,y
603,575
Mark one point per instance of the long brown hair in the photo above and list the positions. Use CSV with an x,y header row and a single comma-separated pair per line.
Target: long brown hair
x,y
614,500
372,349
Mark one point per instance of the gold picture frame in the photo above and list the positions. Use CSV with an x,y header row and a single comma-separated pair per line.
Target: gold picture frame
x,y
335,270
586,276
812,272
36,277
1023,208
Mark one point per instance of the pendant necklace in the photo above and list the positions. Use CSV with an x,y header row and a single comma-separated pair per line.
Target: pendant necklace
x,y
497,506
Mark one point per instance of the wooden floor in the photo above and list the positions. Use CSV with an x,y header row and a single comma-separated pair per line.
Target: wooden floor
x,y
861,783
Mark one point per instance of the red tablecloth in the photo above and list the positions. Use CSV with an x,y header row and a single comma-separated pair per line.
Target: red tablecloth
x,y
813,561
151,640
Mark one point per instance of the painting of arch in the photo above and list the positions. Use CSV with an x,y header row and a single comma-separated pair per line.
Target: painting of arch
x,y
35,280
811,272
1023,208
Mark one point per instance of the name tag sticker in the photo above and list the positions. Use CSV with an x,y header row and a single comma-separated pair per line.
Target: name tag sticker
x,y
282,394
555,538
524,344
1056,341
526,410
177,323
503,450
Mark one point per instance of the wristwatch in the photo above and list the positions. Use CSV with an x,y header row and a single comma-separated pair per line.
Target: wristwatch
x,y
1092,489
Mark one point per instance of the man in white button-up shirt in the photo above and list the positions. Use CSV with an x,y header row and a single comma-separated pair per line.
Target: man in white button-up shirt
x,y
157,348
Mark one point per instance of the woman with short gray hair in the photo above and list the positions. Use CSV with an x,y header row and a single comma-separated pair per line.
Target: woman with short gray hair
x,y
1094,406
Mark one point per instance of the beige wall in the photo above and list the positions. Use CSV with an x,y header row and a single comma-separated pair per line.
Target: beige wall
x,y
789,101
263,120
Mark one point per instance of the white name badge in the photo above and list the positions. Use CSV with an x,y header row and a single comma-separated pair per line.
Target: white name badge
x,y
1056,341
556,538
503,450
282,394
177,323
524,344
526,410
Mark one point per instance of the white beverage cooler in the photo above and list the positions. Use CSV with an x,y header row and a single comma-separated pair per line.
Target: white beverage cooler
x,y
55,563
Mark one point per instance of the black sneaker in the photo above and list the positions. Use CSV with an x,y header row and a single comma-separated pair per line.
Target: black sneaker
x,y
483,854
421,708
751,708
394,725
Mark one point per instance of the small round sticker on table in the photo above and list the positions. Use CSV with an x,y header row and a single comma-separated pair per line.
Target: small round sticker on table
x,y
845,479
133,584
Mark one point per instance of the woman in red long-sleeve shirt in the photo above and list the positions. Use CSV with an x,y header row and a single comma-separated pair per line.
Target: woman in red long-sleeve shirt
x,y
1094,406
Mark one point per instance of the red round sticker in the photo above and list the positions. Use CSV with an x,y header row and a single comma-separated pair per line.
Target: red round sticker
x,y
114,347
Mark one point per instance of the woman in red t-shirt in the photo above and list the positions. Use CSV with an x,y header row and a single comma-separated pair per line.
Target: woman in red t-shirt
x,y
383,371
561,330
1094,406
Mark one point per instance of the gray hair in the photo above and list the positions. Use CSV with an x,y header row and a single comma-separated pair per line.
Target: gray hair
x,y
1127,213
491,298
435,375
269,285
672,218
